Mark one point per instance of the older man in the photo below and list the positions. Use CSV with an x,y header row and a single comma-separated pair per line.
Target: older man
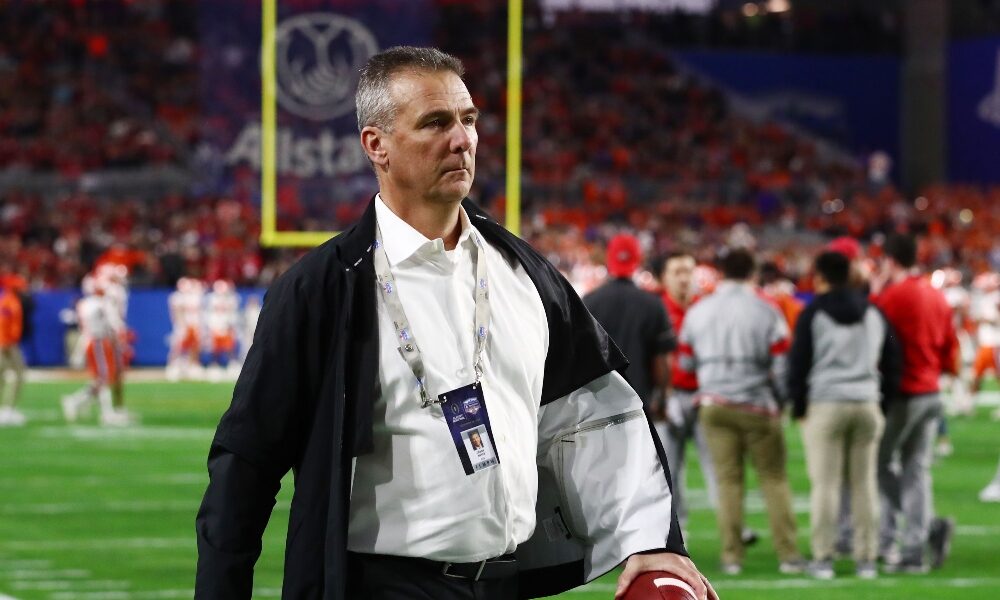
x,y
380,350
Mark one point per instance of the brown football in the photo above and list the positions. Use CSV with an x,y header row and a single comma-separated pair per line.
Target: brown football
x,y
659,585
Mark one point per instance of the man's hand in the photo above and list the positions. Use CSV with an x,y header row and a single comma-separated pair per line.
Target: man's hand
x,y
665,561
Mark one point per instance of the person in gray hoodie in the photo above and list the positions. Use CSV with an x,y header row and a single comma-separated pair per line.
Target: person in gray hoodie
x,y
843,362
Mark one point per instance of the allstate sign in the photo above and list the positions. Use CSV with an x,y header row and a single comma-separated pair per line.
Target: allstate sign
x,y
319,48
318,57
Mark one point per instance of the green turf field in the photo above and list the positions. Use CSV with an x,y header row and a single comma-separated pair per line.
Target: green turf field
x,y
96,513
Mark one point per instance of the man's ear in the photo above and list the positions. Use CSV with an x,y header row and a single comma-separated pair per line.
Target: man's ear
x,y
374,143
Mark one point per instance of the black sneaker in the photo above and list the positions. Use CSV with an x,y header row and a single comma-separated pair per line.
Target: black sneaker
x,y
939,536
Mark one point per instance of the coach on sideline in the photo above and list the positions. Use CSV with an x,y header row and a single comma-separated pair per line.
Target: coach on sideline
x,y
376,355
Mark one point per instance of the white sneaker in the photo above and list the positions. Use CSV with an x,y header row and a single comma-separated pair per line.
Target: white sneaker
x,y
70,408
867,570
821,569
11,417
990,493
794,566
116,418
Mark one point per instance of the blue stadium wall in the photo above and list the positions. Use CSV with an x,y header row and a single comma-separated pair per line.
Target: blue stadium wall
x,y
854,100
974,111
851,100
148,317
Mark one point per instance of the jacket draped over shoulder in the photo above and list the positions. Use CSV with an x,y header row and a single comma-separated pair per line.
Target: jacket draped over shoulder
x,y
303,402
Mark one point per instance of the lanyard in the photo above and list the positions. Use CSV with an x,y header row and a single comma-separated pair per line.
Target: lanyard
x,y
408,347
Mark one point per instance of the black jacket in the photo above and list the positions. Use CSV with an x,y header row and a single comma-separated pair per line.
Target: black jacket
x,y
304,401
638,323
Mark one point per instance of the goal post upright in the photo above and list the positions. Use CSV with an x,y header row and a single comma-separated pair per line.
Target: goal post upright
x,y
269,234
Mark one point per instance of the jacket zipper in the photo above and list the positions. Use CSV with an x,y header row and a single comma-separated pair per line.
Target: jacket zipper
x,y
600,423
612,421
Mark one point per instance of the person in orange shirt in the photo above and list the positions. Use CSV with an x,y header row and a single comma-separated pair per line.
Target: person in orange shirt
x,y
11,359
781,291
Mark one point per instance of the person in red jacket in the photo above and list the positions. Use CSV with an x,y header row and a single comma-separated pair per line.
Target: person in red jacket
x,y
921,318
677,421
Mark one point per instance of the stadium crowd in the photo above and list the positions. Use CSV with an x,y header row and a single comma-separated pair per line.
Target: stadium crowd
x,y
690,172
95,85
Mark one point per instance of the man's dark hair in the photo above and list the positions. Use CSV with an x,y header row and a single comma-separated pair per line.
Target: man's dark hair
x,y
770,272
373,100
737,263
834,267
901,248
660,261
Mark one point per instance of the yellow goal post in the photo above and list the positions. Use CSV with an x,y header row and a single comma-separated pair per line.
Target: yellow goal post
x,y
270,236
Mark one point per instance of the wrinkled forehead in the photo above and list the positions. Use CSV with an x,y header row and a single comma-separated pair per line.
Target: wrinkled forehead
x,y
417,91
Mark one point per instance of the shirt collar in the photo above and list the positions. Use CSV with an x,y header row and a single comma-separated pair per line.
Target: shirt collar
x,y
728,285
402,241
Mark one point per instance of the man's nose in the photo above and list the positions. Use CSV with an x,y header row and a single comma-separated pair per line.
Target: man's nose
x,y
461,138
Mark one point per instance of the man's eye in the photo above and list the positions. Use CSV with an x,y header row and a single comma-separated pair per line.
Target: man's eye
x,y
470,120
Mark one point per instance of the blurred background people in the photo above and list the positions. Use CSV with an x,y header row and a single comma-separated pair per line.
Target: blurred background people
x,y
11,358
101,330
736,342
911,539
634,318
677,421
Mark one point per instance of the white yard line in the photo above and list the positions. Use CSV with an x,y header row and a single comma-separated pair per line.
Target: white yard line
x,y
850,581
134,506
135,375
977,530
99,507
9,565
803,533
45,574
71,481
99,544
724,583
57,585
148,595
92,432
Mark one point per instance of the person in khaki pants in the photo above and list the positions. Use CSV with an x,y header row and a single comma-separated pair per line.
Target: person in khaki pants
x,y
736,342
843,361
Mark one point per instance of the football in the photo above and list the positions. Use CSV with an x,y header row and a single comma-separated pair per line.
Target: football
x,y
659,585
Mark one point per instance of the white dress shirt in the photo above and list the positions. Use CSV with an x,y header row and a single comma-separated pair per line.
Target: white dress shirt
x,y
411,496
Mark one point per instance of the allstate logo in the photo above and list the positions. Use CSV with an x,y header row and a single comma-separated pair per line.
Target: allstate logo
x,y
318,56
